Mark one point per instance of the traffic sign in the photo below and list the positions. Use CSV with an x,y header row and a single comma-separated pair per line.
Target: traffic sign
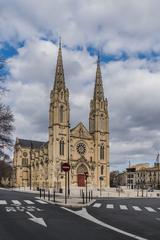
x,y
101,178
65,167
86,174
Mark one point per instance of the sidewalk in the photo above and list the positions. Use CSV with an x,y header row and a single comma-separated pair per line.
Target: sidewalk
x,y
75,200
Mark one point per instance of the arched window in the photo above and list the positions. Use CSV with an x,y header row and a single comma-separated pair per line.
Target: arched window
x,y
61,114
61,147
102,168
101,152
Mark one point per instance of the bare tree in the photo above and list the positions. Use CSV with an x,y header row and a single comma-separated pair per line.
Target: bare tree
x,y
6,116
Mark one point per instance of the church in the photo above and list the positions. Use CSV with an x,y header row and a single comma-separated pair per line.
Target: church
x,y
39,164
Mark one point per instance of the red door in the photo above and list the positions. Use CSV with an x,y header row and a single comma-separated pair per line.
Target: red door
x,y
81,180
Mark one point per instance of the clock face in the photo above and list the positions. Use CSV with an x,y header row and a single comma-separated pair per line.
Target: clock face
x,y
81,148
24,154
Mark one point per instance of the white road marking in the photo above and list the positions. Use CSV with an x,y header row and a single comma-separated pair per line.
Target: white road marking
x,y
16,202
10,209
123,207
109,206
97,205
42,202
29,202
83,213
136,208
37,220
3,202
149,209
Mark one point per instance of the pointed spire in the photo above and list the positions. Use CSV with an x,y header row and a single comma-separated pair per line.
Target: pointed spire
x,y
59,82
98,89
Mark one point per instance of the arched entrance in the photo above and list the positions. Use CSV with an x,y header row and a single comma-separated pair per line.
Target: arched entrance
x,y
80,175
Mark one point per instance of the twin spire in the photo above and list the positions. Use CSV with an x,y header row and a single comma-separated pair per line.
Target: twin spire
x,y
59,82
98,89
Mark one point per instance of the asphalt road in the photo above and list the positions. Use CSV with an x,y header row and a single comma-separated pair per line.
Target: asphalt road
x,y
137,216
23,217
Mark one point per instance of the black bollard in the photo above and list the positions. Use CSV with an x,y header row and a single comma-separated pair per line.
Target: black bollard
x,y
44,193
54,196
89,196
48,195
83,197
86,197
40,192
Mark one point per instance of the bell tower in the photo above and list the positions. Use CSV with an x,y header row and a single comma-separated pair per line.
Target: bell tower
x,y
99,129
59,116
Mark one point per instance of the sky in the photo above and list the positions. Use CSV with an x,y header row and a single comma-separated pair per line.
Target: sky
x,y
127,34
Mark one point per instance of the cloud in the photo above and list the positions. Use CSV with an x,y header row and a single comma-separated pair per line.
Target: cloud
x,y
131,85
127,25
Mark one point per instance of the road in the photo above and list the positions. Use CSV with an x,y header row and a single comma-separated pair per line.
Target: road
x,y
24,217
138,216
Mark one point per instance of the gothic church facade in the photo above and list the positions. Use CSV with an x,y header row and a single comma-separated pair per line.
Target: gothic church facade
x,y
38,164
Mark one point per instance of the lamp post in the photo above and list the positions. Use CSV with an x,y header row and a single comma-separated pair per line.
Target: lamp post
x,y
158,185
68,158
86,176
30,168
101,179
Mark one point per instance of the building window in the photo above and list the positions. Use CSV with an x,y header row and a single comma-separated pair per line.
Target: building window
x,y
101,152
24,162
61,114
102,168
61,147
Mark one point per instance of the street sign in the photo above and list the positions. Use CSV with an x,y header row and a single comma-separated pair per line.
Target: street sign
x,y
101,178
86,174
65,167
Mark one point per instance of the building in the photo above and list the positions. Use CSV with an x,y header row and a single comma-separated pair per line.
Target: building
x,y
143,176
38,164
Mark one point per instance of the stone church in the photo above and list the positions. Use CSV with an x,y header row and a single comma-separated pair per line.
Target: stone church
x,y
38,164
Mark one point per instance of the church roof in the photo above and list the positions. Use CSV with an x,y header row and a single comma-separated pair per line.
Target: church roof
x,y
80,131
30,143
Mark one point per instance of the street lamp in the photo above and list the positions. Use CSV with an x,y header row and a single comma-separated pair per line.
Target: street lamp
x,y
86,176
30,168
101,179
68,158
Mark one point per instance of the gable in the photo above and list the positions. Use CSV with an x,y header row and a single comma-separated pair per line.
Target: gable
x,y
80,132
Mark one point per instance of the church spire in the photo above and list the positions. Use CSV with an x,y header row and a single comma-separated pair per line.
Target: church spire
x,y
59,82
98,89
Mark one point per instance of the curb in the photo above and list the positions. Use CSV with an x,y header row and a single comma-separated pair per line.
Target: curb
x,y
70,205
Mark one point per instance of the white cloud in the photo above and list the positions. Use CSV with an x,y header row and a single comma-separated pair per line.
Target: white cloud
x,y
132,86
117,26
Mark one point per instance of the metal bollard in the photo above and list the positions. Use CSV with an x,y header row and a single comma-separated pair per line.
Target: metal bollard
x,y
86,197
83,197
54,196
48,195
40,192
89,196
44,193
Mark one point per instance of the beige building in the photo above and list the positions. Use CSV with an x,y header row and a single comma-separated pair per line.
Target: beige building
x,y
143,176
38,164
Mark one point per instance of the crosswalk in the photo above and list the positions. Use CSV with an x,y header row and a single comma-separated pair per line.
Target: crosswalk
x,y
17,202
125,207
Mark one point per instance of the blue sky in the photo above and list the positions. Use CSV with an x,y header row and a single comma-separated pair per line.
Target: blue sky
x,y
126,33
